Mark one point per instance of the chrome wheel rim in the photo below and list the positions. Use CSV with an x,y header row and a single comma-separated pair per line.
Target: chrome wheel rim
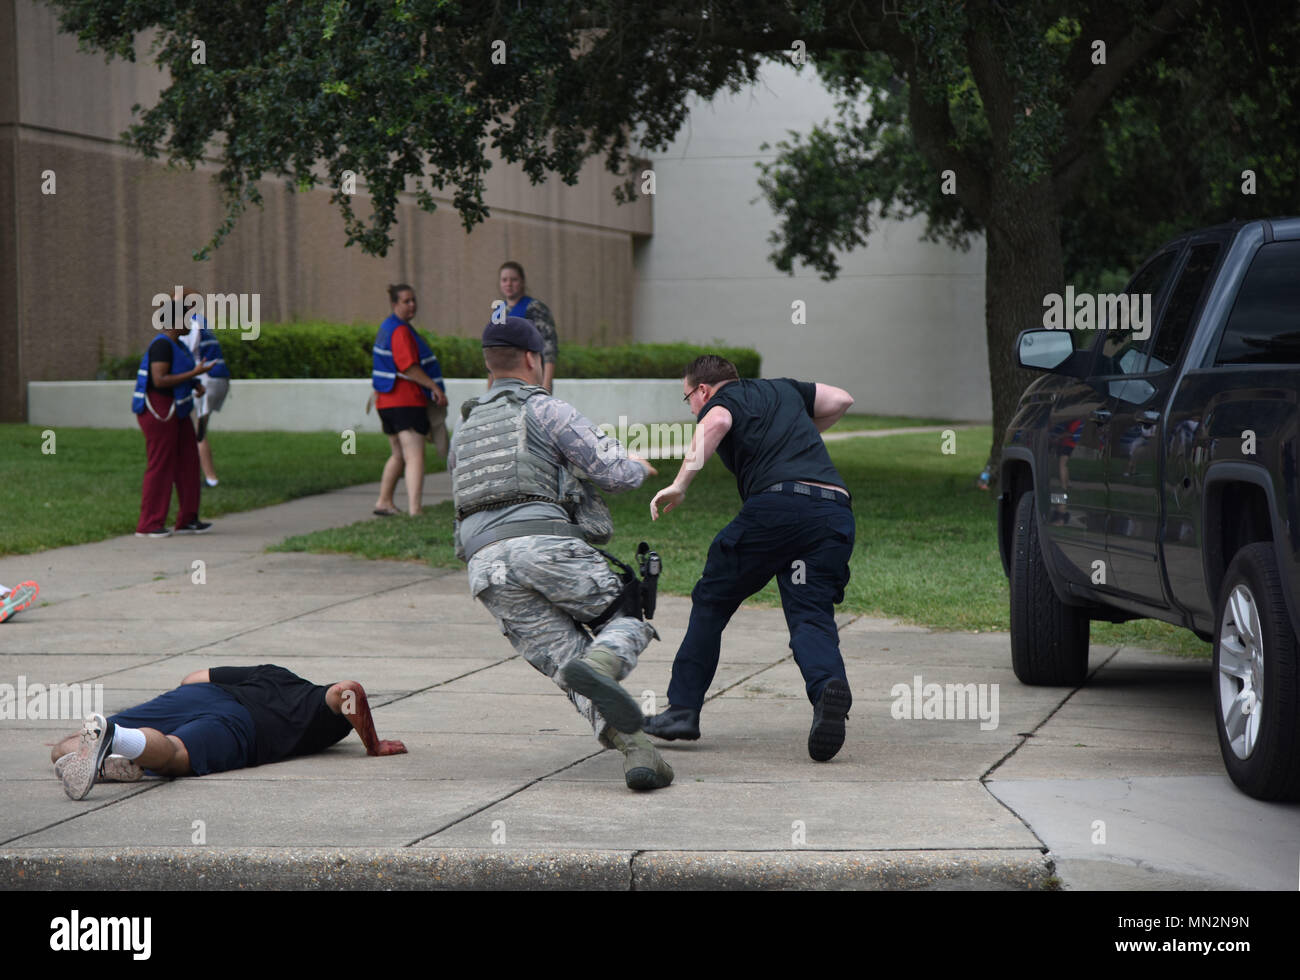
x,y
1241,672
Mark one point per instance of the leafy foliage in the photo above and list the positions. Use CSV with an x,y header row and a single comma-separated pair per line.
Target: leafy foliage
x,y
1171,152
1163,155
406,94
831,186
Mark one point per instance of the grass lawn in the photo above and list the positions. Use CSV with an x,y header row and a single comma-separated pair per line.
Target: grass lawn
x,y
926,537
861,423
89,488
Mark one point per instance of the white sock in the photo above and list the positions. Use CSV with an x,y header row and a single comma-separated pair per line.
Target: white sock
x,y
128,742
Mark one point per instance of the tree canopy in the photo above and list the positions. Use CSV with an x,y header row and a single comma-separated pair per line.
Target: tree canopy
x,y
1167,153
1072,136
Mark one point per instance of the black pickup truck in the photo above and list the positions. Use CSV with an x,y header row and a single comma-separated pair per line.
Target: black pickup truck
x,y
1155,472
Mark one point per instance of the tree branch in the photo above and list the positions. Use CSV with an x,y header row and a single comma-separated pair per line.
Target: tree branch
x,y
936,139
1096,84
995,88
1100,84
876,31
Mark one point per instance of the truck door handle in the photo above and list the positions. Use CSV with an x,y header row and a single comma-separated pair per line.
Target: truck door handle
x,y
1149,416
1101,416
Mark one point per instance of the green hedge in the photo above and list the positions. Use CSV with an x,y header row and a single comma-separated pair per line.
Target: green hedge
x,y
336,350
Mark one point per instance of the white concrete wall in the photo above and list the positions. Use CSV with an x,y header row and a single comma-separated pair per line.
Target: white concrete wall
x,y
294,405
902,328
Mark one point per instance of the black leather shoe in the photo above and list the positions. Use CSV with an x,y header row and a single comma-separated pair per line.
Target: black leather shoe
x,y
827,733
674,723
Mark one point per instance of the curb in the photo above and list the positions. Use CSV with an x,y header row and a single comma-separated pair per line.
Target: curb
x,y
465,869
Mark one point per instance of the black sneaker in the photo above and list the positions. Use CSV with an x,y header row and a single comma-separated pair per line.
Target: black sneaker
x,y
674,723
827,733
158,532
195,526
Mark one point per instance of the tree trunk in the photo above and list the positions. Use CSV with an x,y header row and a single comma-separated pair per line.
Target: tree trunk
x,y
1022,265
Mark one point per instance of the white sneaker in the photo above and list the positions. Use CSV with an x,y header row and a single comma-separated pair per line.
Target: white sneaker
x,y
116,769
81,771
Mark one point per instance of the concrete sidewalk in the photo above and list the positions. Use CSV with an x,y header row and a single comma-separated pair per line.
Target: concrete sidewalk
x,y
1118,784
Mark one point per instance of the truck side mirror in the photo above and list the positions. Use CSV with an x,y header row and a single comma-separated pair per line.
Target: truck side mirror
x,y
1043,350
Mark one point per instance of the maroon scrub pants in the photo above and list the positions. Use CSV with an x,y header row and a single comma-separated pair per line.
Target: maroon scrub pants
x,y
173,460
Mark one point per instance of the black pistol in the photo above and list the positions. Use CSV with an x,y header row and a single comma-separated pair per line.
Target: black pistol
x,y
650,566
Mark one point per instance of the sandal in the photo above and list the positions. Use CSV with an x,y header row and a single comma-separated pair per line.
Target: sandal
x,y
386,512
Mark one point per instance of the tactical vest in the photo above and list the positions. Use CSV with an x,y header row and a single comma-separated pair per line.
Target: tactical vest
x,y
494,468
182,394
383,372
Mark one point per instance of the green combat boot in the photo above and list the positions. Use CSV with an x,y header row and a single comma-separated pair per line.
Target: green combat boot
x,y
596,676
643,766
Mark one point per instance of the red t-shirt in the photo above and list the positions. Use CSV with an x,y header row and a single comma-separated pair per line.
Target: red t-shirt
x,y
405,355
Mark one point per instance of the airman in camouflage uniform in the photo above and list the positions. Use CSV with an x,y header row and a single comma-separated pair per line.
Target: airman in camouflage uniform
x,y
528,563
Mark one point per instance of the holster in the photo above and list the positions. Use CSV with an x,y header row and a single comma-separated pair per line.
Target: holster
x,y
638,596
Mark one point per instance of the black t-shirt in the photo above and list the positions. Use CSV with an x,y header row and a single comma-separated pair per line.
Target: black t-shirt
x,y
290,716
772,437
160,350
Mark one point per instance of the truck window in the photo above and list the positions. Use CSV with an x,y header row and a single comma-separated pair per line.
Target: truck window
x,y
1184,303
1125,351
1264,326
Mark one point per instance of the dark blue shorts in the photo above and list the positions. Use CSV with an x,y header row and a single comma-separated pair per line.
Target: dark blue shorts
x,y
216,730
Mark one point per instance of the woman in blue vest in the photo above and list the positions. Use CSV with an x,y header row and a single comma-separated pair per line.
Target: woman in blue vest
x,y
406,376
163,401
511,280
203,346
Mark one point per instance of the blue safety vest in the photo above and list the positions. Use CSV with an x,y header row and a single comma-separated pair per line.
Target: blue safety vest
x,y
210,350
182,394
383,372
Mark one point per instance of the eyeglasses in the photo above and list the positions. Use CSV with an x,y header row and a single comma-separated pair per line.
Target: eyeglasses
x,y
687,397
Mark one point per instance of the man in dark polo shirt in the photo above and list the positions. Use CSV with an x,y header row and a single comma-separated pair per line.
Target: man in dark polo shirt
x,y
796,523
219,719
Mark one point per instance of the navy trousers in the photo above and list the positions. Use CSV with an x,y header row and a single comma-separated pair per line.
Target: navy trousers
x,y
806,543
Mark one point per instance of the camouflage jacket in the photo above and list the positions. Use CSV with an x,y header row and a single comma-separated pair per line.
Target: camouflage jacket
x,y
539,313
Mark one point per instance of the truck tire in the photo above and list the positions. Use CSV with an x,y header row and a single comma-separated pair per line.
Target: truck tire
x,y
1257,678
1049,640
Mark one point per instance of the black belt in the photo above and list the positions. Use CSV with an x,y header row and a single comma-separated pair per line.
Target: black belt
x,y
805,490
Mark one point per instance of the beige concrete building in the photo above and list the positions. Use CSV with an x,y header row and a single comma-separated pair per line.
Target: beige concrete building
x,y
78,267
901,328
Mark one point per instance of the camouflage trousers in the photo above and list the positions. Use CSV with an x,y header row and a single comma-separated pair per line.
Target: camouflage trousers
x,y
536,586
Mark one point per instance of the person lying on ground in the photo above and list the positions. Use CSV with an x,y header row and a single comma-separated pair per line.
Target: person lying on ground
x,y
218,720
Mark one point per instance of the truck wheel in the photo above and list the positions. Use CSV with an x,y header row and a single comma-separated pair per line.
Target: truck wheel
x,y
1257,678
1049,640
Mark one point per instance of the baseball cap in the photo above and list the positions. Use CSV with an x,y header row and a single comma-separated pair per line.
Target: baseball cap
x,y
514,332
